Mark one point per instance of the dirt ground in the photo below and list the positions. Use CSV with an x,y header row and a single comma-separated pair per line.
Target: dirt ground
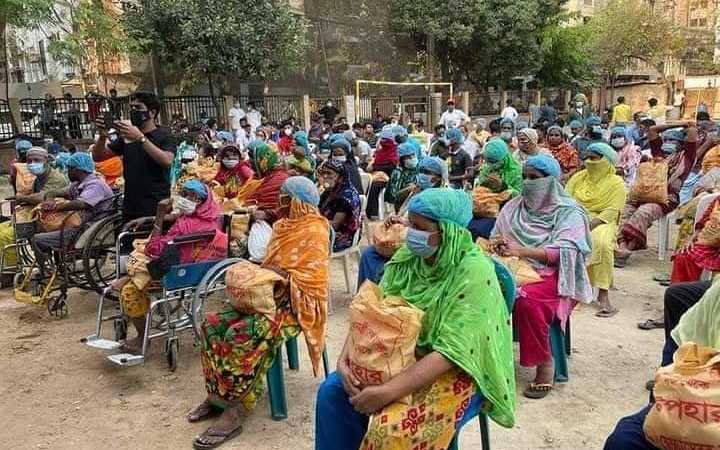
x,y
56,393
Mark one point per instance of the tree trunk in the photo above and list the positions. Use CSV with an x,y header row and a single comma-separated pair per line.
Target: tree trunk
x,y
219,114
6,65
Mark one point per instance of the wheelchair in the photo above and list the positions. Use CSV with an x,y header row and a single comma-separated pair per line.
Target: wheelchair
x,y
83,259
23,232
170,309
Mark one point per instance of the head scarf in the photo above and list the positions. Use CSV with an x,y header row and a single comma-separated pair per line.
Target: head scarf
x,y
38,151
302,189
301,139
481,123
225,148
349,135
454,135
443,205
400,133
521,124
343,197
500,161
465,314
386,153
558,128
593,121
618,131
545,164
225,136
197,187
604,150
342,143
336,166
81,161
434,165
265,158
406,149
581,98
22,146
674,134
506,121
531,134
564,153
576,124
545,216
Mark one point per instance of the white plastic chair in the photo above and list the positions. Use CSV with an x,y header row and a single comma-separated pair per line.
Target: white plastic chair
x,y
366,181
353,249
663,236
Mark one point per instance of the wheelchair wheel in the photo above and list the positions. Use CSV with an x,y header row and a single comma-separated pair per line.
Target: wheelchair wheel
x,y
57,306
98,255
171,352
18,280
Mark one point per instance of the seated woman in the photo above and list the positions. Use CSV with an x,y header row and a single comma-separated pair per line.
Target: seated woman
x,y
508,134
238,349
301,163
602,193
546,226
111,169
46,179
432,173
268,168
233,172
500,172
629,155
563,152
198,213
679,148
341,150
339,203
385,160
464,348
692,258
402,180
527,139
692,314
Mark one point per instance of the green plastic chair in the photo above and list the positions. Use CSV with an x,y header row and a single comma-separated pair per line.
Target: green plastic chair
x,y
509,290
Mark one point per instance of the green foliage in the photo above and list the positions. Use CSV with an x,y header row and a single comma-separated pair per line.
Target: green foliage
x,y
567,57
24,13
486,41
626,31
203,39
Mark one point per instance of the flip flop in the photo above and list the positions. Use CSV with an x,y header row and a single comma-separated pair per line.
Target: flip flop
x,y
651,324
213,432
650,385
606,313
537,391
621,262
203,411
662,277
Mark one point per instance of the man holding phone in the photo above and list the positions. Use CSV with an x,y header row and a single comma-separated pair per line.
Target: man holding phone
x,y
147,152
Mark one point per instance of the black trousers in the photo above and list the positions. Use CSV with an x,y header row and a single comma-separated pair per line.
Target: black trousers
x,y
679,298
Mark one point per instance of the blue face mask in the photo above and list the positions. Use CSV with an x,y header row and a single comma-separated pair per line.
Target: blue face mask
x,y
417,243
36,168
424,181
669,147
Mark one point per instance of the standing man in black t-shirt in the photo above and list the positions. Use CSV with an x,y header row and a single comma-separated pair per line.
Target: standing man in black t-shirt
x,y
147,152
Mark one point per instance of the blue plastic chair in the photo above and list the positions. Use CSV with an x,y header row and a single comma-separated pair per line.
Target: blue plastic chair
x,y
508,288
560,345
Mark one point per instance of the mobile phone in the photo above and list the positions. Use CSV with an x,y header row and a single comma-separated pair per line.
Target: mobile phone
x,y
109,121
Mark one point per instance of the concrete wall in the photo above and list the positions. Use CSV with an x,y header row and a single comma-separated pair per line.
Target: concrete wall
x,y
637,95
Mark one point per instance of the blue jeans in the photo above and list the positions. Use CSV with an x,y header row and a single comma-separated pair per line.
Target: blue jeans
x,y
371,267
629,434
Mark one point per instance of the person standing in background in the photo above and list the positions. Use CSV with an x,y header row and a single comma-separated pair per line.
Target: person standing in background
x,y
453,117
236,113
509,112
254,117
622,114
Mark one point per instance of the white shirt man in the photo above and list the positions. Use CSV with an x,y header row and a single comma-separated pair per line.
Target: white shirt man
x,y
236,113
509,112
452,118
241,138
254,118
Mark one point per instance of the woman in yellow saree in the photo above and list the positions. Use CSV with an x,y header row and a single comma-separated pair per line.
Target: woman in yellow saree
x,y
238,349
602,193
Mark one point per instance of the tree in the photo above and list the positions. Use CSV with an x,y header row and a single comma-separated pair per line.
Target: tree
x,y
19,13
209,39
567,59
93,33
487,42
626,32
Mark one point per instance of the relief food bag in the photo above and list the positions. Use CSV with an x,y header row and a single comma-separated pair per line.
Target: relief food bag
x,y
651,183
251,288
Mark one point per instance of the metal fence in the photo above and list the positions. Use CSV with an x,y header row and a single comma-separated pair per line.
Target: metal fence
x,y
275,108
192,109
484,103
6,129
65,117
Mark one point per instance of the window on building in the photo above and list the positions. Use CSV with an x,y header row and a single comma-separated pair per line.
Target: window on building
x,y
702,22
693,23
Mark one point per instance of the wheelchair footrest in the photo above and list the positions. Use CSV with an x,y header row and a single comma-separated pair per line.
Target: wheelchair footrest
x,y
101,344
126,359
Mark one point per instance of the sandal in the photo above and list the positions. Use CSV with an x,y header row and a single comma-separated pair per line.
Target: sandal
x,y
204,411
217,438
651,324
650,385
538,391
607,313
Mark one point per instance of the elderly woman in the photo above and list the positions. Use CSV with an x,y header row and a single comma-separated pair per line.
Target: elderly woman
x,y
237,349
301,162
562,151
546,226
464,349
268,168
46,179
602,193
197,213
432,173
233,172
342,151
501,172
628,155
528,145
385,159
339,203
678,146
402,180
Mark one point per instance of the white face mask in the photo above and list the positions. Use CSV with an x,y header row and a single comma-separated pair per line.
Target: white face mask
x,y
185,206
230,163
341,158
287,131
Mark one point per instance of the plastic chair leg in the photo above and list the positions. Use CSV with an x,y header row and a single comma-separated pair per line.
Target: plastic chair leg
x,y
454,443
568,340
559,352
484,434
276,389
346,269
292,351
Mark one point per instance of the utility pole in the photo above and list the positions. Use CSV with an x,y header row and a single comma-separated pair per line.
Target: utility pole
x,y
430,62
